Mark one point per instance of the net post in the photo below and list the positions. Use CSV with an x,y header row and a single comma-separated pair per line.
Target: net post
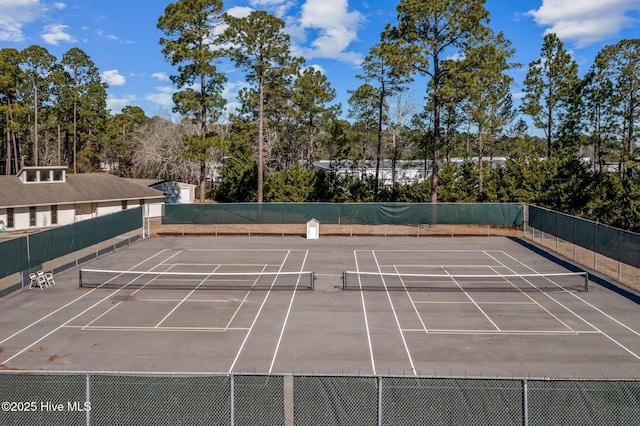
x,y
80,278
586,281
344,280
313,280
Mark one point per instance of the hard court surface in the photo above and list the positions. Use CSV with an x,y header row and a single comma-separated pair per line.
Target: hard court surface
x,y
487,328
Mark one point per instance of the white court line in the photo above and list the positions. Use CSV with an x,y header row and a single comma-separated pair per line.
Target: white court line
x,y
242,249
115,305
437,266
253,323
578,316
80,314
286,318
142,328
445,302
415,308
539,305
364,310
186,297
437,251
189,301
243,301
516,332
472,301
68,304
395,315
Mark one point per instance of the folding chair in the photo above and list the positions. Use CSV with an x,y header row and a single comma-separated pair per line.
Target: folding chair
x,y
34,280
46,278
38,280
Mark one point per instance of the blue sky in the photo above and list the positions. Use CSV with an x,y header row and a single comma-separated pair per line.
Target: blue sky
x,y
334,35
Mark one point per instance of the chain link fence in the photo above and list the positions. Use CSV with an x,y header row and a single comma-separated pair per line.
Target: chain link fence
x,y
50,398
612,252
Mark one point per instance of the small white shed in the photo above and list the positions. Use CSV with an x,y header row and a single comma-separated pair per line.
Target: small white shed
x,y
313,229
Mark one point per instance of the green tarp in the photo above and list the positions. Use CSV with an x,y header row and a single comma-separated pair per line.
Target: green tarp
x,y
507,214
24,253
614,243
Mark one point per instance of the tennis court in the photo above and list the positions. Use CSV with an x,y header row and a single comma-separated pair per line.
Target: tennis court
x,y
476,307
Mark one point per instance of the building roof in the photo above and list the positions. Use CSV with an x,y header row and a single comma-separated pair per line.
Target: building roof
x,y
78,188
146,182
160,182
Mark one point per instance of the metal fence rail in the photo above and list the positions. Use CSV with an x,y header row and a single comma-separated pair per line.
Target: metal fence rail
x,y
56,398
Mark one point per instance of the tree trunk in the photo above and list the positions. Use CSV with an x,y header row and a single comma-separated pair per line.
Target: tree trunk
x,y
7,161
260,142
35,126
203,180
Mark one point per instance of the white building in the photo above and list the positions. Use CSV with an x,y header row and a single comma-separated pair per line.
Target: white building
x,y
45,196
174,192
406,171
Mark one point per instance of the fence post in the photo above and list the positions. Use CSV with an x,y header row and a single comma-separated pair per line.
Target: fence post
x,y
288,400
88,399
525,403
379,400
231,401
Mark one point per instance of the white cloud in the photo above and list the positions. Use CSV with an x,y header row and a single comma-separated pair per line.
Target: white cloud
x,y
163,96
161,76
231,89
14,14
277,7
55,33
337,28
115,104
240,11
334,25
113,78
102,34
586,21
230,93
317,67
59,6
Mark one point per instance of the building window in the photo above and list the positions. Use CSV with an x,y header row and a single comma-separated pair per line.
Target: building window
x,y
10,218
124,204
32,216
54,215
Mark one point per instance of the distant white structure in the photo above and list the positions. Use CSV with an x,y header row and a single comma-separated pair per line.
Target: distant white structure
x,y
174,192
406,171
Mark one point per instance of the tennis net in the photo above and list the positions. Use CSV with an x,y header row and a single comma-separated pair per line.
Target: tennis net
x,y
564,281
102,278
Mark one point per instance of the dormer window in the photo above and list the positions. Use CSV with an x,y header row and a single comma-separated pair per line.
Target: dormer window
x,y
33,174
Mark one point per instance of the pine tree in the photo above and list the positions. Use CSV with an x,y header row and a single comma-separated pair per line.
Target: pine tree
x,y
192,43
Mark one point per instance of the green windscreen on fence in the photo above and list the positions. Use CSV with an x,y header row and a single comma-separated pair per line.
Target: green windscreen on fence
x,y
14,255
57,242
23,253
507,214
614,243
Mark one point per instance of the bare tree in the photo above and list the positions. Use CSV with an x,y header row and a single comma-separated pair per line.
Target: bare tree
x,y
159,151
